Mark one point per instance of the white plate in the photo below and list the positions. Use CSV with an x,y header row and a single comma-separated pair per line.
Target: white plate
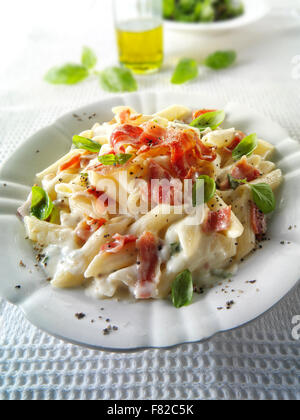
x,y
254,11
145,324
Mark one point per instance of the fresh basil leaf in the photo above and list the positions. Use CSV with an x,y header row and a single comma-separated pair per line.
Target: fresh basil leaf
x,y
122,158
117,79
107,159
220,60
209,120
234,182
88,58
186,69
55,216
209,188
69,74
41,204
175,248
245,147
118,159
263,197
86,144
182,289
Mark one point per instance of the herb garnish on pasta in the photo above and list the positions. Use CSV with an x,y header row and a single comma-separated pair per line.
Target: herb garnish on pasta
x,y
155,205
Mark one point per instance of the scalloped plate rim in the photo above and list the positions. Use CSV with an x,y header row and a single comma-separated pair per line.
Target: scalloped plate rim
x,y
33,317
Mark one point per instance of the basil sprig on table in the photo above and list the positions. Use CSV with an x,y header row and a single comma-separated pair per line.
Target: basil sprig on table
x,y
41,204
209,120
121,79
186,69
117,79
68,74
263,197
88,58
220,60
246,147
118,159
86,144
112,79
209,188
182,289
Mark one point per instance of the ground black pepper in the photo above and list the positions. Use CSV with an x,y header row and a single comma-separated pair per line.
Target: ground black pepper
x,y
80,315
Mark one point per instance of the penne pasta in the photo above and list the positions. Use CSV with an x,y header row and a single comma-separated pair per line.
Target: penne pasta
x,y
122,213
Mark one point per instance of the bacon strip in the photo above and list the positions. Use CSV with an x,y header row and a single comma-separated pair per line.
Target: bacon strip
x,y
258,220
239,136
153,134
199,112
206,153
217,221
86,228
184,146
125,135
74,162
148,261
243,170
124,115
156,171
162,194
103,201
118,243
92,191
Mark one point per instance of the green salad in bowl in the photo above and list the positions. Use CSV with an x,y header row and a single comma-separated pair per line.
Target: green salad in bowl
x,y
202,10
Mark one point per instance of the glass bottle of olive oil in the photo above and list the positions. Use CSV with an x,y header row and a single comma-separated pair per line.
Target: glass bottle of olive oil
x,y
140,37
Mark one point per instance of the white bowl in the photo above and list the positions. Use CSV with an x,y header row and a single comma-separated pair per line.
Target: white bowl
x,y
254,11
144,324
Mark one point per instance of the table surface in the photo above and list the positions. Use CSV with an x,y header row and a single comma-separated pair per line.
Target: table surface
x,y
258,361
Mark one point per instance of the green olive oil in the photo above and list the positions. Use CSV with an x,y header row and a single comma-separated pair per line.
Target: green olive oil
x,y
140,44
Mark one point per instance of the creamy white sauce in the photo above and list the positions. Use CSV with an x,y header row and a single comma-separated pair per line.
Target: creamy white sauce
x,y
57,257
70,219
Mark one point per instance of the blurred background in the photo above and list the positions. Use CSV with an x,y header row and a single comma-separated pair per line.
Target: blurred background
x,y
260,360
37,35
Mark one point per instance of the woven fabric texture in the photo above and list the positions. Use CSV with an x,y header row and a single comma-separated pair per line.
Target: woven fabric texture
x,y
257,361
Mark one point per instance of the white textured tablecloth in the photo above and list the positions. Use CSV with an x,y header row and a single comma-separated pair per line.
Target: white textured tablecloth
x,y
258,361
